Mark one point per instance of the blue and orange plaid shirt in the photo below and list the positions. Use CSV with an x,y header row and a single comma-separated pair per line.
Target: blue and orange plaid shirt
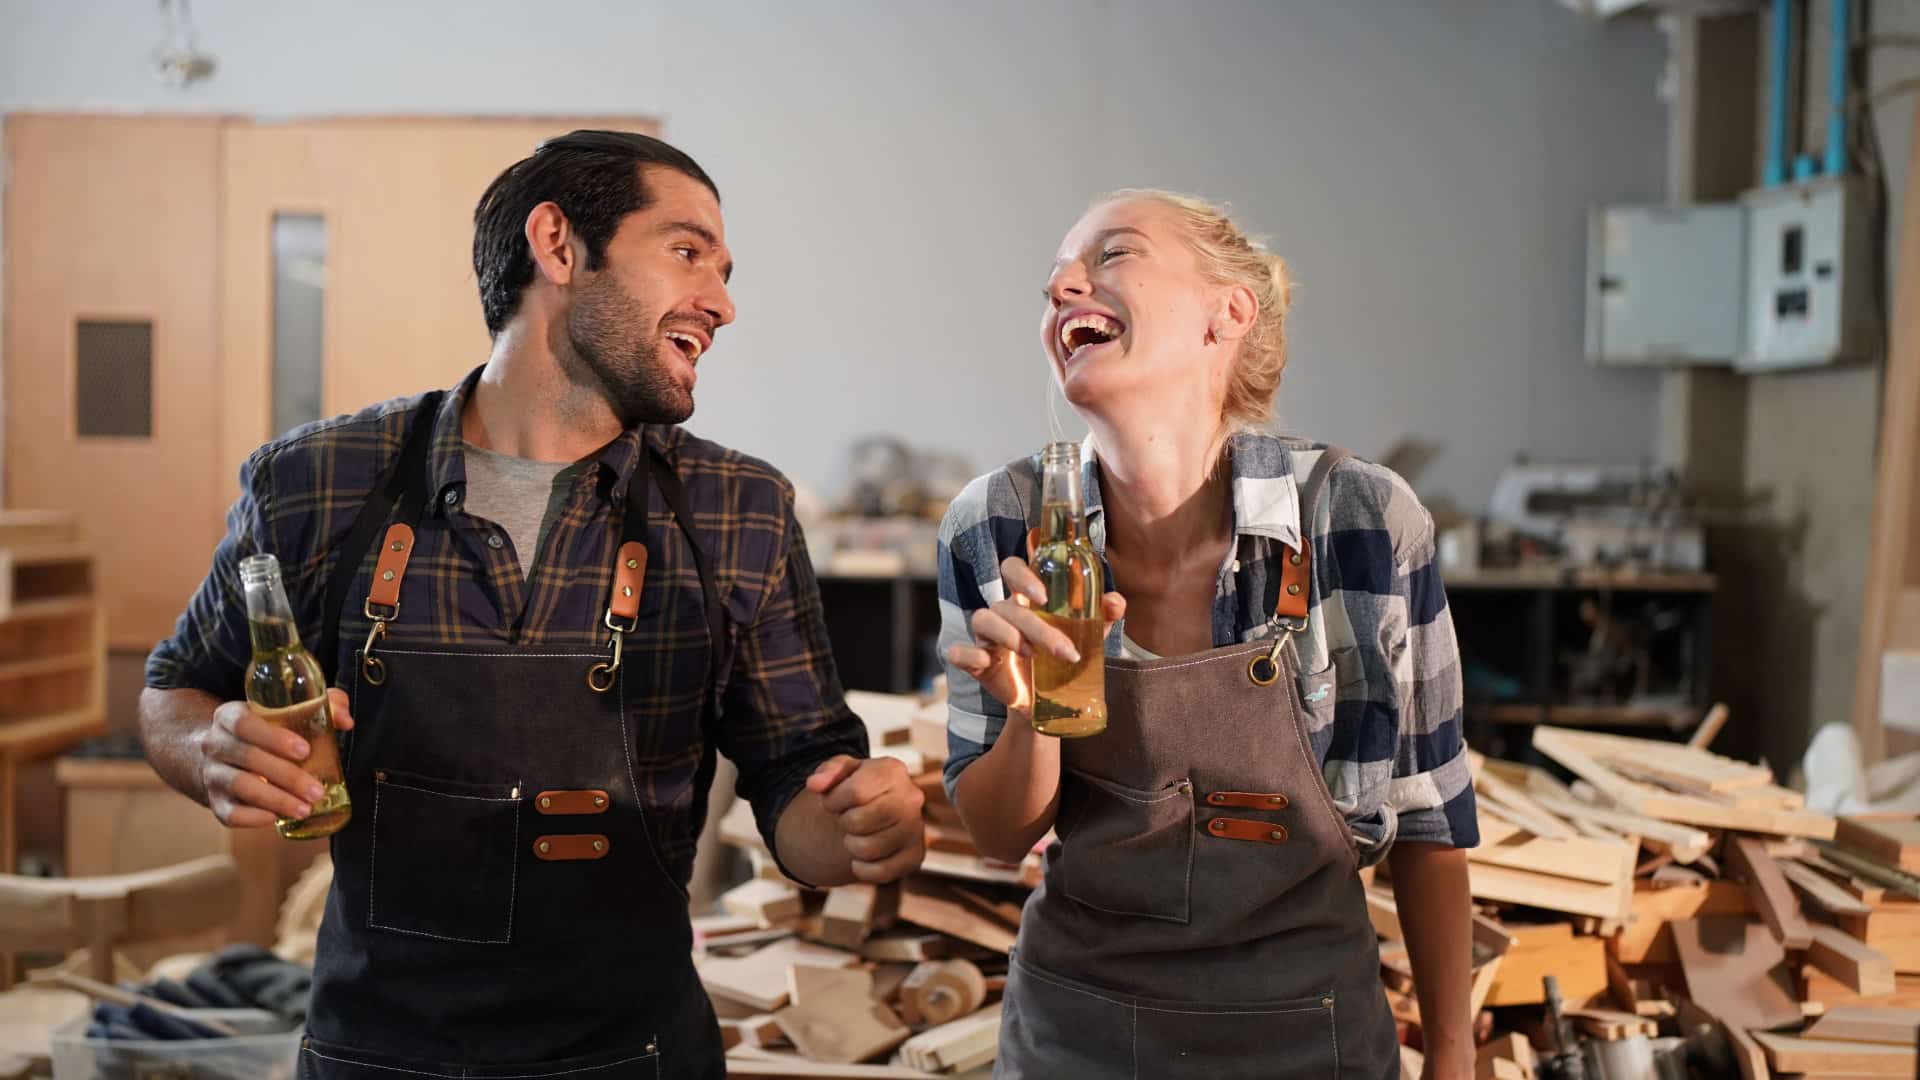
x,y
782,710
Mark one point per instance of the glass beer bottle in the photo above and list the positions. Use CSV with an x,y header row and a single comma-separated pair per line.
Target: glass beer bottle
x,y
286,689
1069,699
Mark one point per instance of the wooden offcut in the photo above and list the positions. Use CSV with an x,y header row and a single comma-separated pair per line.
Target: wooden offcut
x,y
1767,888
1863,1023
834,1018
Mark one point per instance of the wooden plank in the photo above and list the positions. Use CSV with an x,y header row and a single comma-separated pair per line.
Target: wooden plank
x,y
927,903
1686,845
853,912
1821,891
1894,840
1504,843
1768,889
1574,750
1793,1054
1499,883
1865,1023
946,1046
1734,970
902,946
1710,726
1516,805
1863,969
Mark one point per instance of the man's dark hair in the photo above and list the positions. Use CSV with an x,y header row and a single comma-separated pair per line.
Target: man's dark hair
x,y
593,176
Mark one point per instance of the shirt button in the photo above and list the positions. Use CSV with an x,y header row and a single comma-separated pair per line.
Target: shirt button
x,y
452,497
494,542
1236,566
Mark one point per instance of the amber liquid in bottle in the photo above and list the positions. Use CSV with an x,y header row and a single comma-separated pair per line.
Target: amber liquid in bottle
x,y
1069,699
286,689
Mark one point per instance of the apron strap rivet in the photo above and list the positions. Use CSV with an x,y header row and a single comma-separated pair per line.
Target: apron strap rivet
x,y
1218,825
545,847
545,802
599,845
1327,1002
1277,834
599,800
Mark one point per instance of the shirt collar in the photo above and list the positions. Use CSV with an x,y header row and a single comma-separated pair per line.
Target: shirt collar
x,y
613,469
1266,498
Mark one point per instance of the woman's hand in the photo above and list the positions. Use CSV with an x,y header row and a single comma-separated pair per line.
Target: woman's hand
x,y
1007,632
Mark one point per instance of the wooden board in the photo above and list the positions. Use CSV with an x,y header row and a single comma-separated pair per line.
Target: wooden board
x,y
1646,939
1610,1024
1582,858
929,904
767,902
1767,888
950,1045
1894,840
1685,844
1581,751
1892,929
1499,883
1821,891
1824,990
834,1018
760,980
1864,1023
1734,970
1549,949
1792,1054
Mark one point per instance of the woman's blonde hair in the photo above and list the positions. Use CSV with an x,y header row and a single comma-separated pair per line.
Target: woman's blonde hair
x,y
1229,256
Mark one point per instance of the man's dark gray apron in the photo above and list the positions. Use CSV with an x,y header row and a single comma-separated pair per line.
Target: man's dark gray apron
x,y
498,907
1202,915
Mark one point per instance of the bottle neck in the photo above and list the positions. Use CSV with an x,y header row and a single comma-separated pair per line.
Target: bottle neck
x,y
1063,509
269,616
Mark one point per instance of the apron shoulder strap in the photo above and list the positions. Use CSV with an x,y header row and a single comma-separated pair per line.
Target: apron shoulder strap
x,y
393,490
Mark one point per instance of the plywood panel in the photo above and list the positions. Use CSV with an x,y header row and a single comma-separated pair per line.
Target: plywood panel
x,y
114,217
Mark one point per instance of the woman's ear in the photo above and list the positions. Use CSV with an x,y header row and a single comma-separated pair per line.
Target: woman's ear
x,y
1234,314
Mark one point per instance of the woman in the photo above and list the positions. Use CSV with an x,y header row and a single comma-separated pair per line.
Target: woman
x,y
1231,800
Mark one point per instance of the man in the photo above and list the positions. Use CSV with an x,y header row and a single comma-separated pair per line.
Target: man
x,y
589,604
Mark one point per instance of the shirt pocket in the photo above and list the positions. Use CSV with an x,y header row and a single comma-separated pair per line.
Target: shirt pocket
x,y
1319,692
1127,851
444,855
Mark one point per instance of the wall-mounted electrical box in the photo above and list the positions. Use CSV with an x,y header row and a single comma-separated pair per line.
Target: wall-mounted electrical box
x,y
1665,284
1809,278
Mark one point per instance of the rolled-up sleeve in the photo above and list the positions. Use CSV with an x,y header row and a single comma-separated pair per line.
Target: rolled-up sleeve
x,y
211,646
784,709
1432,787
969,568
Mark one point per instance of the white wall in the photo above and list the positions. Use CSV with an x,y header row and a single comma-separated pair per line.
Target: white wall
x,y
896,175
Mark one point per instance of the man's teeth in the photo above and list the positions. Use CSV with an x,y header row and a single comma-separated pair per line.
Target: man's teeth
x,y
692,343
1108,329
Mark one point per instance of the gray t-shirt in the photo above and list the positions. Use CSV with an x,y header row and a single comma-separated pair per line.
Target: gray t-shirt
x,y
519,495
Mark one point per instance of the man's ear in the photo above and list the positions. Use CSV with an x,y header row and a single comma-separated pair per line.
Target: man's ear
x,y
550,240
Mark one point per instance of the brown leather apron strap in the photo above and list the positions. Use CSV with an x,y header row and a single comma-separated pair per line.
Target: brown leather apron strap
x,y
1296,569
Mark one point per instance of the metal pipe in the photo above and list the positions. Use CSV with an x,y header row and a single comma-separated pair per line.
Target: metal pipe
x,y
1839,51
1775,169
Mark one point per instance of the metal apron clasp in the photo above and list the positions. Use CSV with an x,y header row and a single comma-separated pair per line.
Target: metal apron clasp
x,y
1264,669
600,676
374,668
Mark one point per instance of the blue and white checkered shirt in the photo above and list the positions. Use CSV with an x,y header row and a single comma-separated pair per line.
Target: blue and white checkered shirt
x,y
1391,746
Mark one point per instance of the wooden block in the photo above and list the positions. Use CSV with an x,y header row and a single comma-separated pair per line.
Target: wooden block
x,y
945,1047
756,1030
1581,858
1865,1023
1735,971
1893,839
1894,931
854,912
844,1027
1685,844
1793,1054
941,991
719,925
904,946
887,979
1767,888
1550,949
760,980
1510,1050
886,716
1611,1025
809,983
928,903
927,733
766,902
1864,970
1005,911
1821,891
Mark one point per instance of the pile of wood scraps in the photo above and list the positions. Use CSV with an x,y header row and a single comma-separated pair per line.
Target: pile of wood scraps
x,y
859,981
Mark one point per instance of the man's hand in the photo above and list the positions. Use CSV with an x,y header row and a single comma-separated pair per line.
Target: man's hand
x,y
876,807
251,770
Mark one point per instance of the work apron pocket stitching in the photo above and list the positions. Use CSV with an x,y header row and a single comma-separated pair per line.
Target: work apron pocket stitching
x,y
477,825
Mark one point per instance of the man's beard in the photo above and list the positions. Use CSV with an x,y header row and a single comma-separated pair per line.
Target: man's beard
x,y
615,348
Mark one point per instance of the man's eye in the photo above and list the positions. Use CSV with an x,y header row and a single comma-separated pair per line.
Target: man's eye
x,y
686,252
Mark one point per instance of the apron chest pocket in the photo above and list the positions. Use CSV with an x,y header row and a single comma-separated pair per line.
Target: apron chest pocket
x,y
442,863
1126,851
